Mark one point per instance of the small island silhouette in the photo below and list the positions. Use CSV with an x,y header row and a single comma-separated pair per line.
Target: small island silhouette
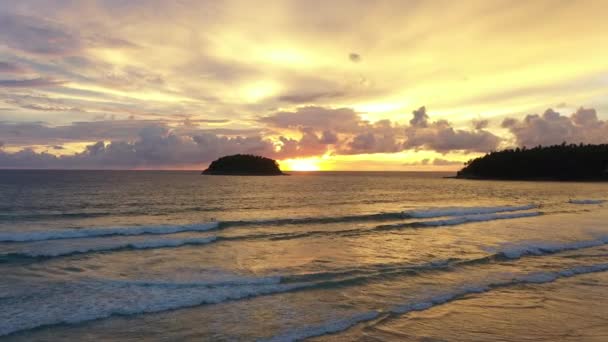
x,y
558,162
244,165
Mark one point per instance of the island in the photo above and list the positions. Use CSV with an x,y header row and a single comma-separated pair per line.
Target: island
x,y
558,162
244,165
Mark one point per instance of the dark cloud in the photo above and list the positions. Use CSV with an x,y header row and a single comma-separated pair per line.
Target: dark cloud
x,y
155,145
39,133
130,78
440,136
354,57
51,108
309,145
553,128
420,118
41,36
37,35
11,68
380,137
372,143
435,162
445,162
329,137
211,120
310,97
360,136
30,83
342,120
480,124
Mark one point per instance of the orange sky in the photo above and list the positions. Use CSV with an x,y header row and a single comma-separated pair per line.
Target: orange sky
x,y
336,85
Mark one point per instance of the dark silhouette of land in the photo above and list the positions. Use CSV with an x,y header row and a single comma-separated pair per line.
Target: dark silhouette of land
x,y
244,165
559,162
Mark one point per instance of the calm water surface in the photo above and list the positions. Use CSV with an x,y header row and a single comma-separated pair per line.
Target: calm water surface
x,y
115,256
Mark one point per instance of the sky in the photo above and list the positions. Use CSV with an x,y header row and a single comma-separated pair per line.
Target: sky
x,y
318,85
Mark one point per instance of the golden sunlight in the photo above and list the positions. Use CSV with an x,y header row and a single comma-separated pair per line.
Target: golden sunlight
x,y
301,164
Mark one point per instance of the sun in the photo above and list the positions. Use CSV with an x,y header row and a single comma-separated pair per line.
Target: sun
x,y
301,164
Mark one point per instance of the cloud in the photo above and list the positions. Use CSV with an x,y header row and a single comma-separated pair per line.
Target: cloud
x,y
380,137
583,126
40,36
359,136
442,162
155,146
37,35
51,108
440,136
420,118
37,133
342,120
11,68
354,57
31,83
310,97
480,124
435,162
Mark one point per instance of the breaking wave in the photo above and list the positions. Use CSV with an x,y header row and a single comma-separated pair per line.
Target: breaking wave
x,y
458,220
99,232
105,298
337,326
65,250
462,211
462,215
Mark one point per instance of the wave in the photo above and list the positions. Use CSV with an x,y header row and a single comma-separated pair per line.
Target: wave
x,y
542,248
427,303
101,246
8,216
370,272
61,234
106,247
99,232
457,220
149,296
313,220
230,282
171,229
462,211
586,201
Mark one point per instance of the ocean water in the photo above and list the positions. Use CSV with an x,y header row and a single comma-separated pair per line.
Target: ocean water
x,y
166,256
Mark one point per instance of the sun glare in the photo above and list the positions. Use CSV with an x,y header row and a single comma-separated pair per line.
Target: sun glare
x,y
307,164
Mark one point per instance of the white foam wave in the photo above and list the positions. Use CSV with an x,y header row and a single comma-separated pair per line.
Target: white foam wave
x,y
102,299
461,211
586,201
329,328
477,218
427,303
104,246
522,249
97,232
230,282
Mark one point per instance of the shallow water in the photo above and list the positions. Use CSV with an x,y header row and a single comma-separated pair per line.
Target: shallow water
x,y
90,255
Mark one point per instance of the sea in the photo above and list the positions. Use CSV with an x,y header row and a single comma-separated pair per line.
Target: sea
x,y
319,256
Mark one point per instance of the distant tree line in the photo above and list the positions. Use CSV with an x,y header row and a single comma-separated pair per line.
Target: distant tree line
x,y
243,164
559,162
